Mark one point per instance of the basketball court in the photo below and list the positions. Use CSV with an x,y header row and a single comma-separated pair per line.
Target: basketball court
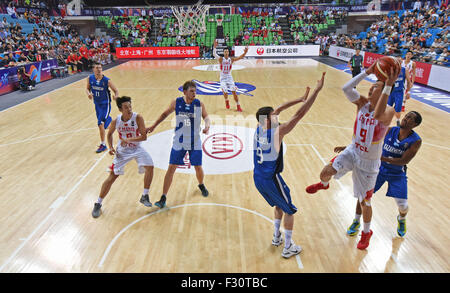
x,y
51,177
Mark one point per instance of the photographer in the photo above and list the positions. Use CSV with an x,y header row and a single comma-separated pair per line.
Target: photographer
x,y
25,81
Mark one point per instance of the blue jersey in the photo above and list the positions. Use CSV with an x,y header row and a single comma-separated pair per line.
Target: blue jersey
x,y
267,161
187,129
399,85
100,90
393,148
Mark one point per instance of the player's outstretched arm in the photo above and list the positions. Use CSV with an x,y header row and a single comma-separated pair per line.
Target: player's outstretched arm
x,y
114,89
242,56
407,155
384,113
289,104
349,88
163,116
215,52
285,128
109,137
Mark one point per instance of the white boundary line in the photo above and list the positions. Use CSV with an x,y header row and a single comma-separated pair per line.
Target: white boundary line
x,y
113,241
56,204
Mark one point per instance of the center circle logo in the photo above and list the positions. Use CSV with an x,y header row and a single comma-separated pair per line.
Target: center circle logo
x,y
212,88
222,146
227,149
260,51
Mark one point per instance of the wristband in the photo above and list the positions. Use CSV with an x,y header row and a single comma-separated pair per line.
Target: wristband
x,y
387,90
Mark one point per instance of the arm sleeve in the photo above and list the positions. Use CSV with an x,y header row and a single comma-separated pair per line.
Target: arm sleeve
x,y
349,90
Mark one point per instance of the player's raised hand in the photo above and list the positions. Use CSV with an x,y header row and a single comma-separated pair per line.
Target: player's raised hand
x,y
392,76
246,50
371,69
305,96
320,82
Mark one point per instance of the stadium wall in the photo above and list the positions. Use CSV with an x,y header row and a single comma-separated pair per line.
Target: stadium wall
x,y
426,74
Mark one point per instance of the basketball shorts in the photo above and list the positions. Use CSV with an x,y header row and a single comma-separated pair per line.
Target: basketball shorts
x,y
396,97
177,157
103,111
227,84
364,172
122,158
275,192
397,185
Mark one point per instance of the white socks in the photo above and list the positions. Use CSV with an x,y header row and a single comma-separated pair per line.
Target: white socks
x,y
145,191
366,227
358,218
276,225
325,184
288,237
99,200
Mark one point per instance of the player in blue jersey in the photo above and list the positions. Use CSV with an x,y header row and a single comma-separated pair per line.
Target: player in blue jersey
x,y
268,164
189,111
97,89
400,146
397,95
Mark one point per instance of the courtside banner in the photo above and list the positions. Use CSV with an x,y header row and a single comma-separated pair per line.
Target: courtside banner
x,y
342,53
370,58
157,52
278,51
423,72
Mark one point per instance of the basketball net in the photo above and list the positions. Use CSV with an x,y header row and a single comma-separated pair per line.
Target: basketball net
x,y
191,19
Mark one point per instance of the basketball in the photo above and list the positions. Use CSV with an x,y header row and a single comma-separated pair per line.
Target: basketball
x,y
383,67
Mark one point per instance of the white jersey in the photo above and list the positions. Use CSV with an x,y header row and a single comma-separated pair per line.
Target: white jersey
x,y
225,67
127,129
408,67
368,135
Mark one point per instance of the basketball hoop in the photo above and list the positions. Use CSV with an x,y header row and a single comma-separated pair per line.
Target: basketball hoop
x,y
191,19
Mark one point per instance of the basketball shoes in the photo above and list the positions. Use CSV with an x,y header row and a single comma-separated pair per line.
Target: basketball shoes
x,y
101,148
277,240
316,187
145,200
354,228
365,239
96,212
291,250
401,227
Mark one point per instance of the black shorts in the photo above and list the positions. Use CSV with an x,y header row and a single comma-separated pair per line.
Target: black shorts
x,y
356,71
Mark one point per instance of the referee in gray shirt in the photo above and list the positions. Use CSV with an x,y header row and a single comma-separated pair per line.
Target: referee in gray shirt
x,y
355,63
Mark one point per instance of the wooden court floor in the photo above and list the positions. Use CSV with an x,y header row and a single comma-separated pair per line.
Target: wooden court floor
x,y
51,177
